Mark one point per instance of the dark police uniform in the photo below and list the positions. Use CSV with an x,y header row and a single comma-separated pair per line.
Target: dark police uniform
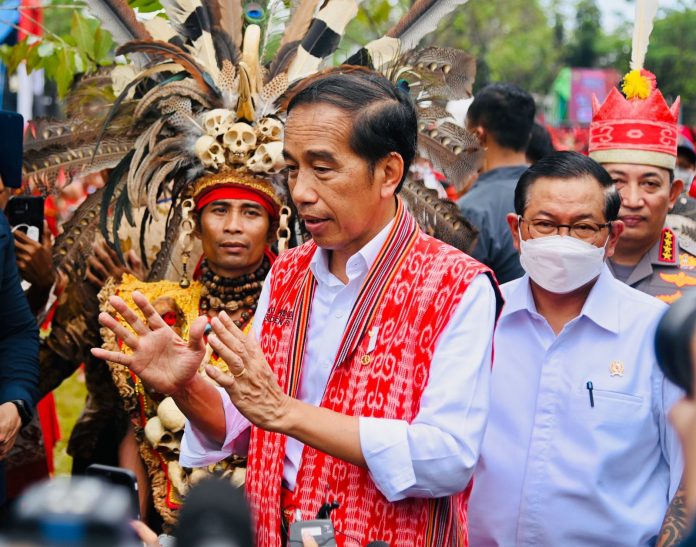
x,y
667,270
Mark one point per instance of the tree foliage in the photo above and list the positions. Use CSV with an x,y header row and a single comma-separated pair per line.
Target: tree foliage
x,y
672,57
85,48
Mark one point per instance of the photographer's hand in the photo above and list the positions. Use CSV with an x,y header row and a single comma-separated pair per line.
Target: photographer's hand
x,y
34,259
10,423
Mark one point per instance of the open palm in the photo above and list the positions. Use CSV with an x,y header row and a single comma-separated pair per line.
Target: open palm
x,y
161,358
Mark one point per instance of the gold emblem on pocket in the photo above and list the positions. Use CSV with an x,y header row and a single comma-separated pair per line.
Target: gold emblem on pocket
x,y
616,368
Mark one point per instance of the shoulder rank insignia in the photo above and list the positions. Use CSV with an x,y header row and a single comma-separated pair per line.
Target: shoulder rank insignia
x,y
669,298
680,279
667,242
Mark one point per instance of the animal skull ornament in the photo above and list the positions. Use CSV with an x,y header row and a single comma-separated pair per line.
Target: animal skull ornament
x,y
240,139
269,129
218,121
170,416
161,439
210,152
178,477
267,159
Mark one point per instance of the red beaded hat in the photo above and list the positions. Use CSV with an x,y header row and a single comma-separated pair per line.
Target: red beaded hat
x,y
638,126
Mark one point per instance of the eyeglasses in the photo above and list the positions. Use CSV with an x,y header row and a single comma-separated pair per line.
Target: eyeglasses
x,y
585,230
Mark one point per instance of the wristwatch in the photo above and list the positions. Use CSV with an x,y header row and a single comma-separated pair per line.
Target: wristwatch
x,y
25,413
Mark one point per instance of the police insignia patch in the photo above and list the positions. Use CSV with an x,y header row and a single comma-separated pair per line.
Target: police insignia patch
x,y
667,242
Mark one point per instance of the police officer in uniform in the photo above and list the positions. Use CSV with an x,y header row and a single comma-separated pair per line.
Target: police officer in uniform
x,y
634,136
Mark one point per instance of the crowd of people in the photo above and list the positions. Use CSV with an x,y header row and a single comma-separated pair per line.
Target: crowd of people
x,y
297,306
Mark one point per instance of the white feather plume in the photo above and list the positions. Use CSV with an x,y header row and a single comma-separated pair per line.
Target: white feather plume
x,y
646,10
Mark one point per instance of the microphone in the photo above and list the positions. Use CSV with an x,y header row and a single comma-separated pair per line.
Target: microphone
x,y
377,544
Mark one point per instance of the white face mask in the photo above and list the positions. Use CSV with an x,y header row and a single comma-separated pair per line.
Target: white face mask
x,y
687,175
561,264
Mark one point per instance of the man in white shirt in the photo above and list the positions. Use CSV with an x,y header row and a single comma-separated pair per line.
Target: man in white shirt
x,y
577,449
357,390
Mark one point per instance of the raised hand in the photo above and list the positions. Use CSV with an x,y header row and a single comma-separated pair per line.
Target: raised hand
x,y
161,358
252,385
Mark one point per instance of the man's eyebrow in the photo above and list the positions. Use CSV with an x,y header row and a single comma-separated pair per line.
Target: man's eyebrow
x,y
252,205
576,218
324,155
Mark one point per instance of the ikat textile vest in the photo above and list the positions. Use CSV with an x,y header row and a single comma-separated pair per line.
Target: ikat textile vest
x,y
409,295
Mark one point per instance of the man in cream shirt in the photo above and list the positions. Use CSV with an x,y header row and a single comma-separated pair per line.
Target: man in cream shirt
x,y
577,450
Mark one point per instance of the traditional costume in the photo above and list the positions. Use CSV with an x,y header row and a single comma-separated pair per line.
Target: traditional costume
x,y
156,420
198,101
639,127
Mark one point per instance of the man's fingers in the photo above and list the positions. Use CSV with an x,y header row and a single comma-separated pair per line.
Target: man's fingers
x,y
97,267
226,381
196,332
126,335
154,320
233,360
230,326
227,336
46,236
113,356
129,315
101,252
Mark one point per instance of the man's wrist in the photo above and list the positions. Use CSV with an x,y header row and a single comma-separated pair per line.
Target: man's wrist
x,y
23,410
287,417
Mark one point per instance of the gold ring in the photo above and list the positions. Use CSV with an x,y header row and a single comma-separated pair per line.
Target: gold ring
x,y
240,374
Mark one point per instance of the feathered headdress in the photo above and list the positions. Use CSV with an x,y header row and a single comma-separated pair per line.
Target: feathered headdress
x,y
197,99
637,127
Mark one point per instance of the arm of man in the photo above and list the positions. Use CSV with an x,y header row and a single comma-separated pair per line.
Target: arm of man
x,y
19,344
480,218
676,522
417,459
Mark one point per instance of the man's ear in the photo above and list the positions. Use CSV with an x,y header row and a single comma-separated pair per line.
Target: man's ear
x,y
617,228
388,173
514,224
675,191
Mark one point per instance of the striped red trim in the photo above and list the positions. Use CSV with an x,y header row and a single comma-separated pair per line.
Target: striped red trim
x,y
399,240
396,247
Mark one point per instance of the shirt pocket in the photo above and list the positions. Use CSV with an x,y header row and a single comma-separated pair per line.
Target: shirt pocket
x,y
610,406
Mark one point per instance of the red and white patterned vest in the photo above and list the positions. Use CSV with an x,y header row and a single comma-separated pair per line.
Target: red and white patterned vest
x,y
425,280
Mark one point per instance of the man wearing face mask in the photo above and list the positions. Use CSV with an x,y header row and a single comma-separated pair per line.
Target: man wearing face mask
x,y
577,450
686,171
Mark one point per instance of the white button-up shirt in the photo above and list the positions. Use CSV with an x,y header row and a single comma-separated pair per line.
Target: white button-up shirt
x,y
555,470
433,456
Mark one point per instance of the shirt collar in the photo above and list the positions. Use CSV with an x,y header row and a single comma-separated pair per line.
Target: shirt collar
x,y
358,264
601,306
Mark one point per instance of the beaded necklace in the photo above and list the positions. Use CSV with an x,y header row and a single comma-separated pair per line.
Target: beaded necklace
x,y
232,294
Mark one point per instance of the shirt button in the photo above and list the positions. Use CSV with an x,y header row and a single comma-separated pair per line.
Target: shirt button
x,y
339,314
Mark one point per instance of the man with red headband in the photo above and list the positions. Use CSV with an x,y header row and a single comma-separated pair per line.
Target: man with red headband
x,y
234,215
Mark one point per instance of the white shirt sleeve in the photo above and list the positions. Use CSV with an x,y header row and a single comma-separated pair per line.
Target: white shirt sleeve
x,y
435,455
196,449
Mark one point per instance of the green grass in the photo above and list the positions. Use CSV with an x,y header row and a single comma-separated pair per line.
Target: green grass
x,y
70,400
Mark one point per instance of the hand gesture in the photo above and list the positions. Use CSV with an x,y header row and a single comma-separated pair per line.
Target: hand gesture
x,y
105,263
34,259
251,384
10,423
161,358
